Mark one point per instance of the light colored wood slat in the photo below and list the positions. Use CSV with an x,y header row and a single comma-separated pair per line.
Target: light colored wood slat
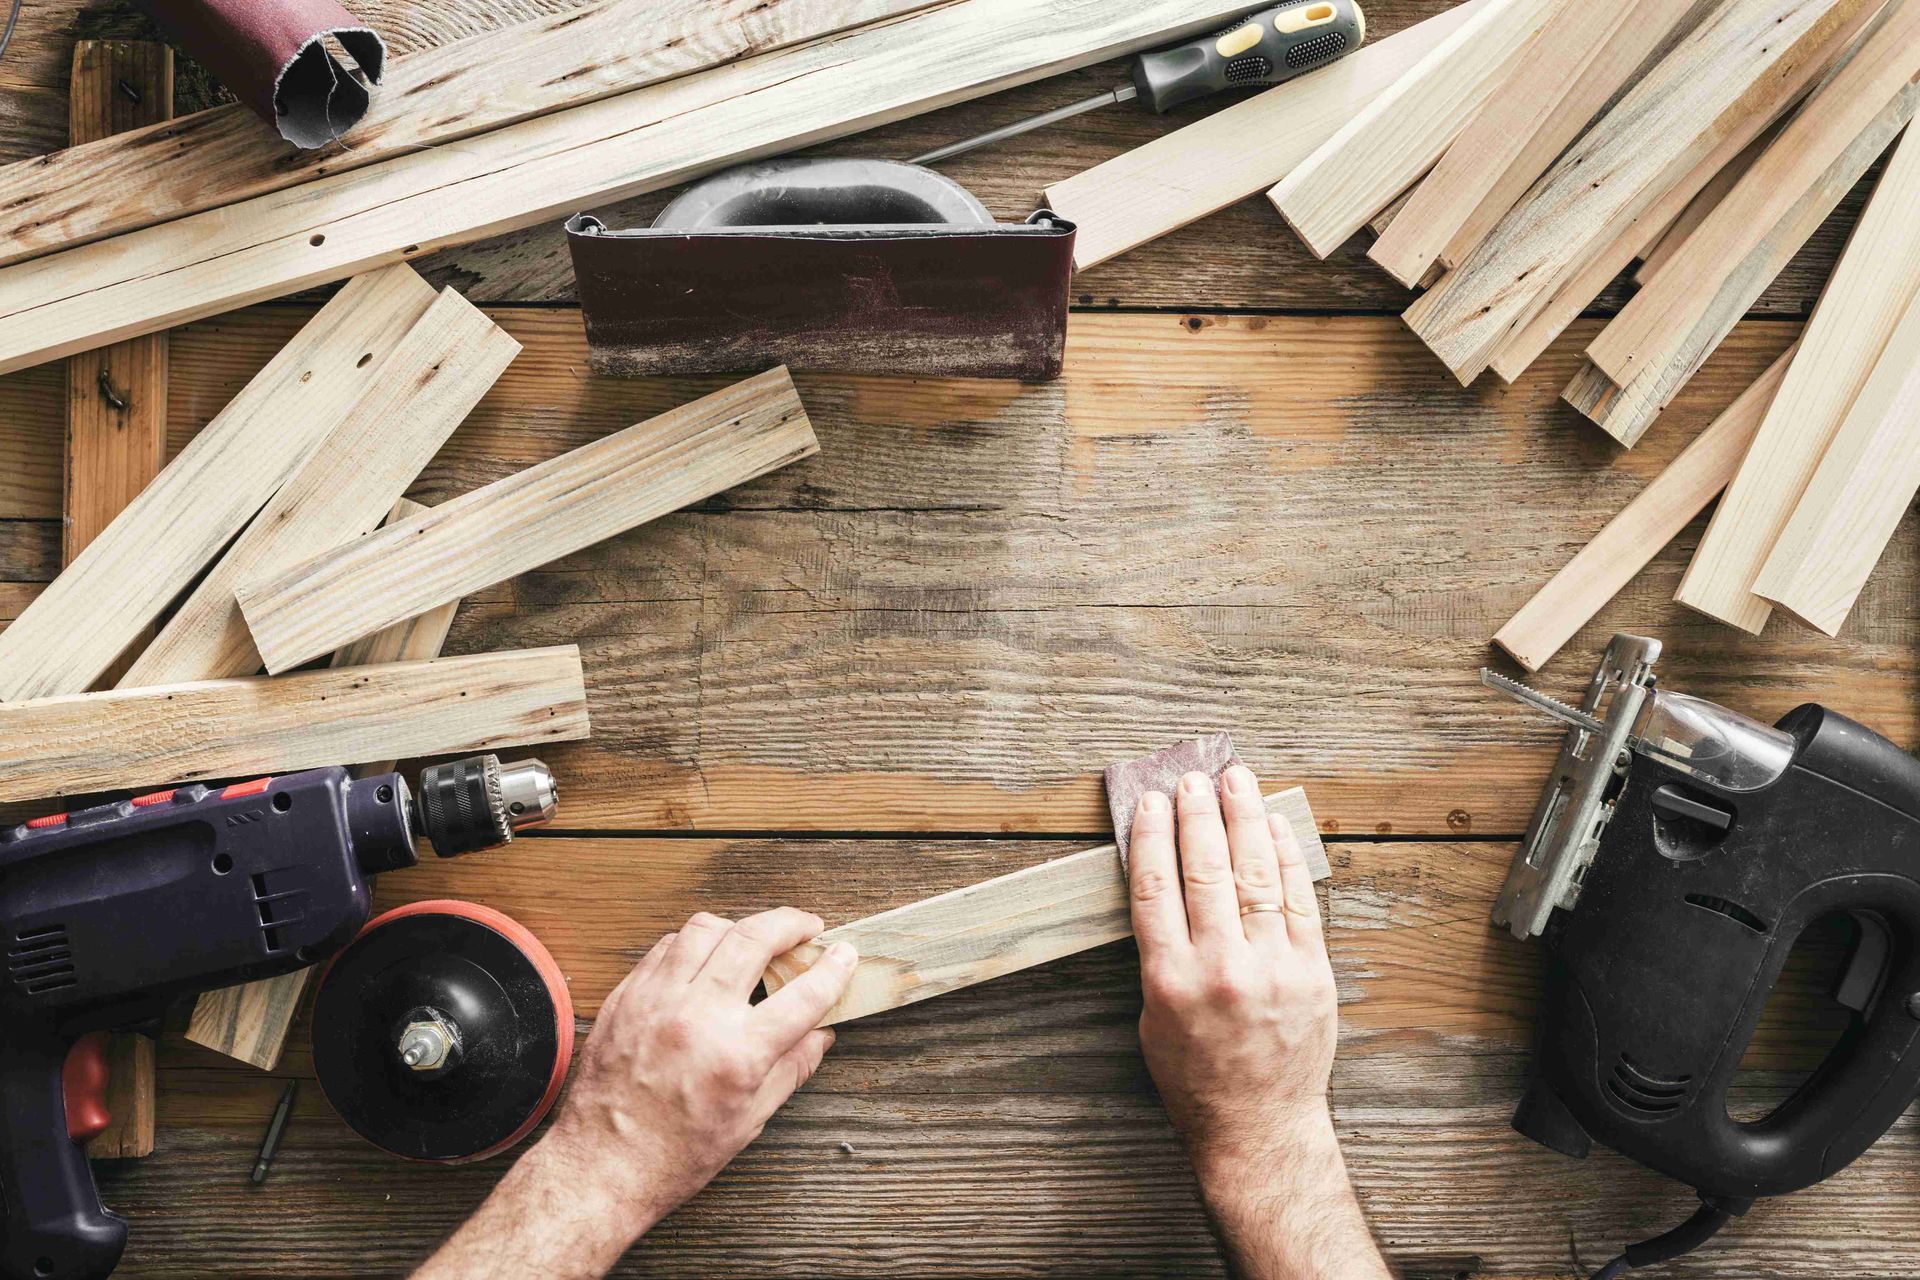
x,y
1633,538
71,635
423,390
87,742
1581,58
1877,279
1857,498
1852,102
1331,195
1743,62
554,165
429,98
1181,177
1697,210
1626,411
1002,926
130,1100
251,1022
529,519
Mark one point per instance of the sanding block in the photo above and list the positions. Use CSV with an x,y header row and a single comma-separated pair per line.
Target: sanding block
x,y
1162,771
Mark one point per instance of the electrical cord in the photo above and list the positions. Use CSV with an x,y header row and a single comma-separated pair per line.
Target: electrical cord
x,y
1682,1240
13,20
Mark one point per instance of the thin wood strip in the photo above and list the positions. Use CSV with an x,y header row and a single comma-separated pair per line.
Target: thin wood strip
x,y
544,168
88,742
68,638
1857,497
430,98
530,519
130,1097
1331,195
1183,176
1852,102
424,389
1633,538
1002,926
251,1022
1698,209
1744,62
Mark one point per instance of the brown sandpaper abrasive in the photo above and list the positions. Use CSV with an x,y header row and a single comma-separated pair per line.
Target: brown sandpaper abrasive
x,y
273,54
1162,771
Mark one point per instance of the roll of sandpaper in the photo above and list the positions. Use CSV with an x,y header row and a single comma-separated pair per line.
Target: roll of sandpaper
x,y
274,56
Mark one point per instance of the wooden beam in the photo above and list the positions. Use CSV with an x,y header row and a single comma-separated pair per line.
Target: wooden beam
x,y
1183,176
586,156
1877,279
68,638
1633,538
88,742
130,1099
1855,102
251,1022
1741,63
527,520
989,930
1580,61
1663,250
1383,150
423,390
430,98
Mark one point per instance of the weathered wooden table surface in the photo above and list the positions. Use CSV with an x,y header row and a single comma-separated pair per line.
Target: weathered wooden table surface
x,y
1253,503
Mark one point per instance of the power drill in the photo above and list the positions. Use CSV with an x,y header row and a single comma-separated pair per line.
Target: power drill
x,y
111,913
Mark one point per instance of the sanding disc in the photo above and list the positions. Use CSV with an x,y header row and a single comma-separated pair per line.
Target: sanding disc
x,y
444,1032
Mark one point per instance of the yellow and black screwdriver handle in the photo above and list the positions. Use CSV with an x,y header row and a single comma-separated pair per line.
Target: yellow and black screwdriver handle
x,y
1265,48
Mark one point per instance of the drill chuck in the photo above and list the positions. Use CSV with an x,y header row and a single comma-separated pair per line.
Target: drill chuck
x,y
480,803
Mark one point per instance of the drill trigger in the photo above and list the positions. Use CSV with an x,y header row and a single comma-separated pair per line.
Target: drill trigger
x,y
84,1079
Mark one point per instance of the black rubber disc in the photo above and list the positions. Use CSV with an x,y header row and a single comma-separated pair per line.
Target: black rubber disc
x,y
494,982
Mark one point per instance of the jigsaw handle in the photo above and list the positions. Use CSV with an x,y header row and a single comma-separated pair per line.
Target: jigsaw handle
x,y
55,1226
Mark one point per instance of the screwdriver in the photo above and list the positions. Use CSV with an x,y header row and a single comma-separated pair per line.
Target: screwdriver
x,y
1265,48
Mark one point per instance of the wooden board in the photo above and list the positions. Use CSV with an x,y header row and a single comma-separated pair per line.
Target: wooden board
x,y
1383,150
71,635
554,165
1633,538
130,1098
349,482
436,96
518,524
89,742
1183,176
1002,926
1698,209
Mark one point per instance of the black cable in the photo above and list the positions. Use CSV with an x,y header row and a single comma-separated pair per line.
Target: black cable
x,y
1618,1267
1682,1240
13,20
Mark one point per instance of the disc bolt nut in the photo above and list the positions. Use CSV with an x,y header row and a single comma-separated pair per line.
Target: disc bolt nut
x,y
426,1046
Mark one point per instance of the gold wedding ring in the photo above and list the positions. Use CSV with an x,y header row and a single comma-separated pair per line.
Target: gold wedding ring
x,y
1259,907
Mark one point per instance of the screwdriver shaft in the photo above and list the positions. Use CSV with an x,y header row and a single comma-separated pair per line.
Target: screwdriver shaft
x,y
1125,93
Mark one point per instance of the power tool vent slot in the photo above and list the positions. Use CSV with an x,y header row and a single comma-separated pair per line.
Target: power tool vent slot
x,y
278,907
1248,70
1640,1090
1312,52
1731,910
41,960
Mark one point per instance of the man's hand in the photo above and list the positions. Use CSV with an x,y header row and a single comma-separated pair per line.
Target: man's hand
x,y
1239,1025
680,1074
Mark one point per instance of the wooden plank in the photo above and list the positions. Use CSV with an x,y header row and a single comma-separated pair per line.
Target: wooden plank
x,y
556,164
1580,61
1743,63
251,1022
1854,101
989,930
431,98
130,1100
528,520
1333,193
1697,210
88,742
1185,175
71,635
1633,538
1856,499
425,388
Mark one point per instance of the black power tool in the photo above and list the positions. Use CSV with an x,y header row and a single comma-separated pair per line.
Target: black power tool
x,y
1679,852
109,914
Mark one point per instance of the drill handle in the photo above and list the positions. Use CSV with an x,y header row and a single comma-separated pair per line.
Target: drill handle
x,y
55,1226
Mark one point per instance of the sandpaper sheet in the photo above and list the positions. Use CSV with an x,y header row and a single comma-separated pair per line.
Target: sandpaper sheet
x,y
1162,771
273,54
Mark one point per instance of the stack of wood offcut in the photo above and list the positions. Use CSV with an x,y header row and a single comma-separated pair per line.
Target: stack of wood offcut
x,y
1546,146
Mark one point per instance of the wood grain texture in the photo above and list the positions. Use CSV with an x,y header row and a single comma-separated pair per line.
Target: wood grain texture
x,y
1183,176
117,586
1699,208
1743,64
1633,538
1383,150
555,165
437,96
989,930
130,1098
349,482
518,524
89,742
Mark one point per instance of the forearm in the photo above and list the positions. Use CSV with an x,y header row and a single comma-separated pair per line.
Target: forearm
x,y
1288,1211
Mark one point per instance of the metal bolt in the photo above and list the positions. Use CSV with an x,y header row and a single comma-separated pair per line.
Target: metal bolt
x,y
425,1046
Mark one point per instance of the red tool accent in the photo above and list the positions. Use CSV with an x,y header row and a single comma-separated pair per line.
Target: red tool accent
x,y
158,797
254,788
84,1077
51,820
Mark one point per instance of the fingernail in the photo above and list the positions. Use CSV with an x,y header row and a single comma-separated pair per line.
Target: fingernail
x,y
1154,802
1281,828
1196,784
1240,780
842,953
831,1036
